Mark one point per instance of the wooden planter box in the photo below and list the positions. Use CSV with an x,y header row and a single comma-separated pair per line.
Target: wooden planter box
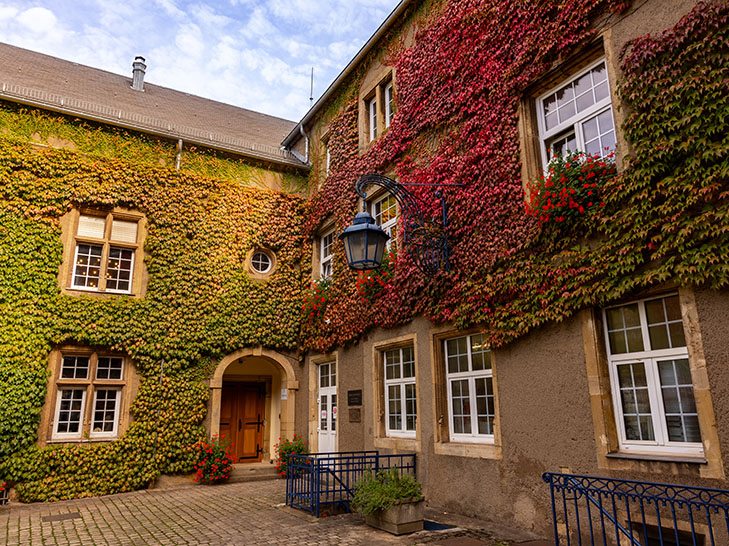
x,y
405,517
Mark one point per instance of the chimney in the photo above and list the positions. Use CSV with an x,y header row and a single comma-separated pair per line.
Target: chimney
x,y
138,68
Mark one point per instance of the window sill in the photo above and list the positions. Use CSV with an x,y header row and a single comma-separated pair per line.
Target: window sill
x,y
667,458
473,450
397,443
75,441
71,291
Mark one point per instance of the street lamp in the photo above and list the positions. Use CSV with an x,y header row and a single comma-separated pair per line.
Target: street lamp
x,y
426,242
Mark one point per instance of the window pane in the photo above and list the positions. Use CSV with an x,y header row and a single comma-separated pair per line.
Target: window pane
x,y
334,411
666,325
104,415
601,91
635,401
678,400
624,321
324,375
480,355
119,269
484,405
394,407
392,364
635,339
410,407
408,362
460,404
109,367
659,337
654,311
69,411
75,367
87,269
333,375
323,412
590,129
457,351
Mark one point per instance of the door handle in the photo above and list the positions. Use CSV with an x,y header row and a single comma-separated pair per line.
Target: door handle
x,y
239,424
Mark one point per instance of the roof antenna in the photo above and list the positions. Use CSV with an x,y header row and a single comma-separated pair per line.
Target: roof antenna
x,y
311,93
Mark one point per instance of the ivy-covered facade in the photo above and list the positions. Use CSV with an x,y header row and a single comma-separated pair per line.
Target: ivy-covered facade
x,y
581,327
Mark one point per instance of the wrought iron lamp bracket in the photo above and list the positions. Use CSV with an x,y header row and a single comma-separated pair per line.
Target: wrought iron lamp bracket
x,y
425,241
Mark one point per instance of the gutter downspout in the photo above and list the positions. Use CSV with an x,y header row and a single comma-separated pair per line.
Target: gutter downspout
x,y
306,143
178,157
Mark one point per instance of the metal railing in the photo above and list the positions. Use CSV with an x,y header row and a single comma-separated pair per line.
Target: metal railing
x,y
597,510
319,480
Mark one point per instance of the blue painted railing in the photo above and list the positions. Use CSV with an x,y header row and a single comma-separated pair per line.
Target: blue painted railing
x,y
609,511
320,480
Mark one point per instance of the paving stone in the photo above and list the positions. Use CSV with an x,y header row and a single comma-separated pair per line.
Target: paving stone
x,y
250,513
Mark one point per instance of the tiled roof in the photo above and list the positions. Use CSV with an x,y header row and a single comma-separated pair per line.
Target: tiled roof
x,y
63,86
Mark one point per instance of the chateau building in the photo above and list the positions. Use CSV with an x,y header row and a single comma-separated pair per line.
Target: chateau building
x,y
161,246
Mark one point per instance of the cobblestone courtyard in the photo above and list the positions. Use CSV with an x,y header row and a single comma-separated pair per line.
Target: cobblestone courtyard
x,y
241,513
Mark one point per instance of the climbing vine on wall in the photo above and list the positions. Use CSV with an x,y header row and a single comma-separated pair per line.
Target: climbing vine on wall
x,y
200,304
458,90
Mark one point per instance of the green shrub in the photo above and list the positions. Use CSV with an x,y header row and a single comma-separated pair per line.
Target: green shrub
x,y
375,492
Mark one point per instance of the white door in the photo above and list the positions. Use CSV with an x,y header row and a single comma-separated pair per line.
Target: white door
x,y
327,408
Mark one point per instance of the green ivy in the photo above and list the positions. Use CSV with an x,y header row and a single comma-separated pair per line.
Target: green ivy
x,y
200,304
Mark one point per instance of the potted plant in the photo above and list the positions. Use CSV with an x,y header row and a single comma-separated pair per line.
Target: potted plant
x,y
390,500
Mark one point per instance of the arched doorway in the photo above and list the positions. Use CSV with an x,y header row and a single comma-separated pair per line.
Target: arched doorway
x,y
252,402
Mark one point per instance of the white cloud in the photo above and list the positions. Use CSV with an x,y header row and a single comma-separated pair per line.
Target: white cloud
x,y
38,20
256,54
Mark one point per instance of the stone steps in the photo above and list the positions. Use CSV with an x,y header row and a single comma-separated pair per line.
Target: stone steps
x,y
253,472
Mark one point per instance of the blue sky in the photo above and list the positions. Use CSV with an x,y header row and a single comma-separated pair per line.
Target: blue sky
x,y
257,54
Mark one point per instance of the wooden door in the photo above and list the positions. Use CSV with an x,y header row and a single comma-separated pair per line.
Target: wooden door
x,y
242,409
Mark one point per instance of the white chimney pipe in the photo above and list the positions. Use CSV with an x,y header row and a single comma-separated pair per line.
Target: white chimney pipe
x,y
138,70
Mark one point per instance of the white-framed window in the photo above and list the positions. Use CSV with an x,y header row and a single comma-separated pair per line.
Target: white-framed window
x,y
650,377
84,377
389,97
105,249
326,267
384,212
577,115
469,377
372,118
400,394
328,160
261,262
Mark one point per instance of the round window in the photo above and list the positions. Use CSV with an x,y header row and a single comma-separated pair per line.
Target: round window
x,y
260,262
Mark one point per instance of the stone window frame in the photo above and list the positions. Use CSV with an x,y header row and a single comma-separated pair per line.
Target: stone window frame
x,y
374,107
381,438
609,454
573,124
127,386
253,272
401,384
71,240
444,443
648,358
533,159
326,261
